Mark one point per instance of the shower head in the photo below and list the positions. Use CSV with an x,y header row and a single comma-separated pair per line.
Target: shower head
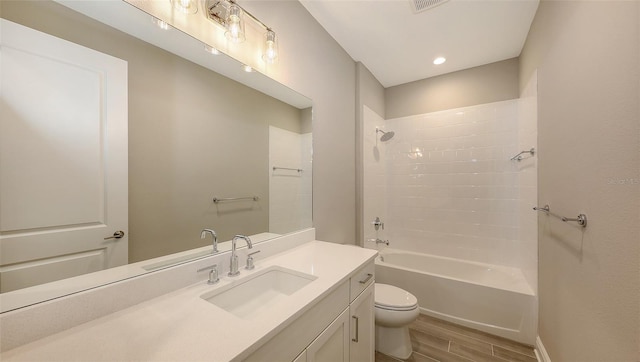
x,y
385,135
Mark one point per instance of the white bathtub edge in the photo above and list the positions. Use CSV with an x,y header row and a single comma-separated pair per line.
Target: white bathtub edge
x,y
525,288
518,324
464,322
541,352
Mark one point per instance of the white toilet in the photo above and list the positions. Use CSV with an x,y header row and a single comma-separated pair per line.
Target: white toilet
x,y
395,309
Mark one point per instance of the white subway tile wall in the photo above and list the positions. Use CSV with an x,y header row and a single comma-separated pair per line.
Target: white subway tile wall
x,y
448,185
528,182
375,183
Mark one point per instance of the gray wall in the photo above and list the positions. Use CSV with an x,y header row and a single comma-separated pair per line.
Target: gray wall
x,y
311,62
370,93
483,84
588,59
191,137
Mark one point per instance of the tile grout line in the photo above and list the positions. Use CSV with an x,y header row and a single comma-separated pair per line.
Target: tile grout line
x,y
455,334
420,354
460,335
477,338
524,354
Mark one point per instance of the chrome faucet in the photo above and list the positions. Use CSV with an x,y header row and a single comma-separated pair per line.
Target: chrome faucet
x,y
234,258
203,235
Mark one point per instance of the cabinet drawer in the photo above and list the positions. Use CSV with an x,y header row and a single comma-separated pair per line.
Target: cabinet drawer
x,y
361,279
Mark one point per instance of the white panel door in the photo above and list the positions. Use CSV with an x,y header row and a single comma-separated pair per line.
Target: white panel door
x,y
63,158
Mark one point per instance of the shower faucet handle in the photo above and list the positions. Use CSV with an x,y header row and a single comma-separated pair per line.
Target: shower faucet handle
x,y
377,224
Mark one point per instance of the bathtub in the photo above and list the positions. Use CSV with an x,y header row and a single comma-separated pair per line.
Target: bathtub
x,y
491,298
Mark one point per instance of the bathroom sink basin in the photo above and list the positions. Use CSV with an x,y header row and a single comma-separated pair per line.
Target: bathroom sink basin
x,y
258,293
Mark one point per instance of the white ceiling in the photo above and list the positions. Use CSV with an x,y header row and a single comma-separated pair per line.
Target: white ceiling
x,y
398,45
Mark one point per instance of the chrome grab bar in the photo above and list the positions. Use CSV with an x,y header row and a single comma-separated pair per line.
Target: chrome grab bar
x,y
223,199
581,219
519,158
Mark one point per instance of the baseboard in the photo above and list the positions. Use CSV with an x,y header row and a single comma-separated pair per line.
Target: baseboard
x,y
541,352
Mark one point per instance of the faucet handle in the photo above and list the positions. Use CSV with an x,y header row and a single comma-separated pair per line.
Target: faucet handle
x,y
377,223
250,265
213,273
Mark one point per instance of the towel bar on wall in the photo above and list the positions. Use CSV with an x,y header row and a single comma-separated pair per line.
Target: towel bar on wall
x,y
581,219
287,168
225,199
519,157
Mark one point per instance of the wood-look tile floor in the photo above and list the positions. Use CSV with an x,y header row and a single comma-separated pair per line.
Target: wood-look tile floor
x,y
437,340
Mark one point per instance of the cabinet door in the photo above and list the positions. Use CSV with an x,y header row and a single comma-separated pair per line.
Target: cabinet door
x,y
332,345
362,327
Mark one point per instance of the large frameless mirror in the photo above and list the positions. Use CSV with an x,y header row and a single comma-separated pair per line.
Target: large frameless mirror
x,y
204,151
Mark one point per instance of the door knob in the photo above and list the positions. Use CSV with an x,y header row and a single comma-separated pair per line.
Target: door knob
x,y
117,235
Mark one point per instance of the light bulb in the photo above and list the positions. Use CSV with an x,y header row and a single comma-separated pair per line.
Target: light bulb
x,y
270,53
235,24
247,68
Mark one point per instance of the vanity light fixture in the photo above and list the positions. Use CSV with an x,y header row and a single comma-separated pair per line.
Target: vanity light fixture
x,y
235,23
186,6
270,53
439,60
230,15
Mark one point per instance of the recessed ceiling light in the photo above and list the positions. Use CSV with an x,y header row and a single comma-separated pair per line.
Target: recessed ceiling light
x,y
439,60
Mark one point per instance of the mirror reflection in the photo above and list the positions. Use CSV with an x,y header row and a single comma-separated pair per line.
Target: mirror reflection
x,y
193,135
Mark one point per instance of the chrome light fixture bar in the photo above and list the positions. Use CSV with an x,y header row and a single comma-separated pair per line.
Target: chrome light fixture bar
x,y
230,15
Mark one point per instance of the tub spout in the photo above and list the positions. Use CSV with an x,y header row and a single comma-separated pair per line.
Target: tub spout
x,y
379,241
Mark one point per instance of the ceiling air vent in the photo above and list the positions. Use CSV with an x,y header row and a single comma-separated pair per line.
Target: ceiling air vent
x,y
424,5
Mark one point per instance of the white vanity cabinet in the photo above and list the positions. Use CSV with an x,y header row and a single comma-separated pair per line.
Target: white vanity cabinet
x,y
332,345
362,319
347,337
318,322
350,337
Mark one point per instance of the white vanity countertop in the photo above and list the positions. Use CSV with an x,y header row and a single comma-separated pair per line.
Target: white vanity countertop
x,y
181,326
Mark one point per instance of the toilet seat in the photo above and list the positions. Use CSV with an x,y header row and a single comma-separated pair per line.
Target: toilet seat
x,y
392,298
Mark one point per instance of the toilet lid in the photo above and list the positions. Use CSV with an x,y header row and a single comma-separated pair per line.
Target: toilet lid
x,y
390,297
